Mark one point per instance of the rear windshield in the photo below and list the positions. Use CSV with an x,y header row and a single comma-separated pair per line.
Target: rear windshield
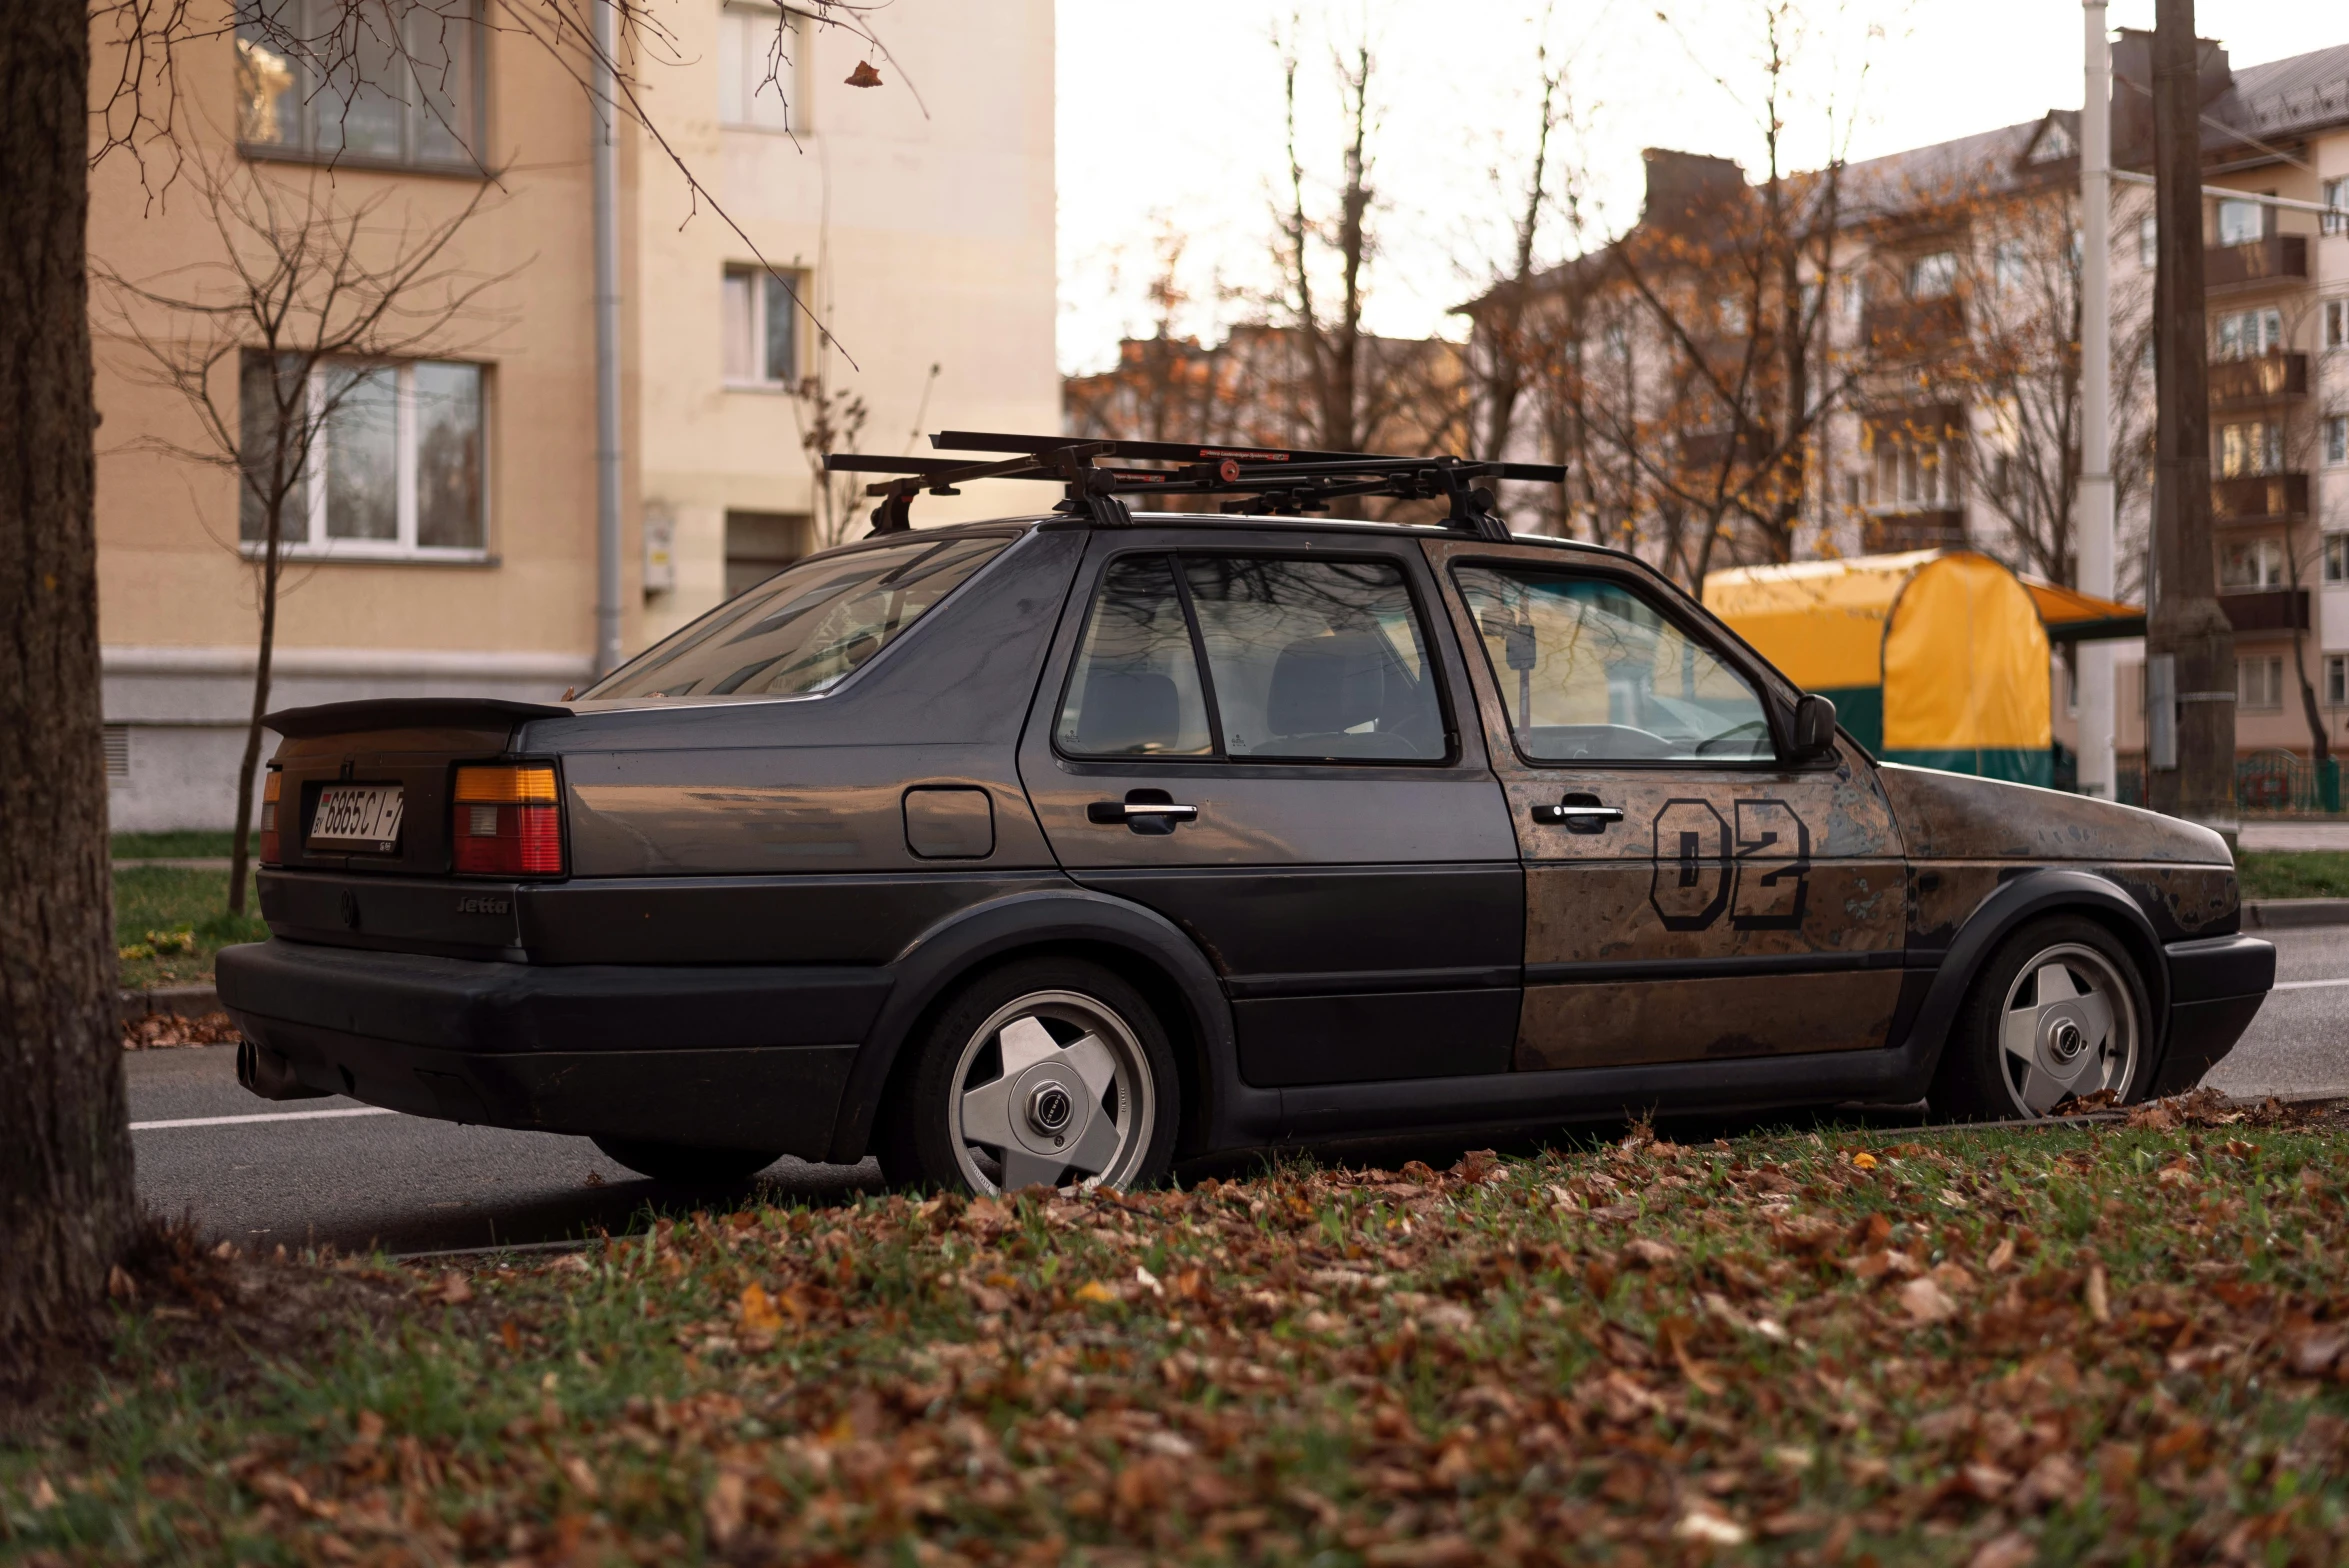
x,y
805,629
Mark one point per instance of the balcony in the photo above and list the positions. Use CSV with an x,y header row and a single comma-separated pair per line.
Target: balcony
x,y
1914,326
1892,533
2267,610
2246,383
2260,498
2280,258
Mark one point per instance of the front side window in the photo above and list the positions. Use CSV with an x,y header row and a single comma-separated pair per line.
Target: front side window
x,y
1591,671
761,322
807,629
377,81
1306,661
390,457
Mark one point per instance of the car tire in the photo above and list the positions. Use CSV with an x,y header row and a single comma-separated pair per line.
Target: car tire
x,y
2060,1009
686,1164
1048,1071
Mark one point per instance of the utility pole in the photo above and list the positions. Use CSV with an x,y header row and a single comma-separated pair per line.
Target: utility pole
x,y
2189,645
2093,517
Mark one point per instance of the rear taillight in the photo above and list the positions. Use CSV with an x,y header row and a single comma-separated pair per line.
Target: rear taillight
x,y
508,822
269,791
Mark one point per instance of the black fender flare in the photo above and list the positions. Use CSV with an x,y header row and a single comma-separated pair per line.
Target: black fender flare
x,y
968,939
2048,890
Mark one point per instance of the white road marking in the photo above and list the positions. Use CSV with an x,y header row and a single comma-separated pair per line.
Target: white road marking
x,y
2306,985
265,1116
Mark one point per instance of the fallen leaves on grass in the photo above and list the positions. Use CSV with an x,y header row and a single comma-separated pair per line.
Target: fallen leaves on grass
x,y
1639,1353
159,1031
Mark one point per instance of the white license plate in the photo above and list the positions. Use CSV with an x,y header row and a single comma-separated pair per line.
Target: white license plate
x,y
357,816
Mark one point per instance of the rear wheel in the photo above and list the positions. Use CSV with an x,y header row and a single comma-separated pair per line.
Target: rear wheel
x,y
685,1164
2060,1011
1045,1073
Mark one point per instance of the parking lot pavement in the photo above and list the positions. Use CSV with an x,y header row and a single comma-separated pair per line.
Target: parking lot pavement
x,y
306,1172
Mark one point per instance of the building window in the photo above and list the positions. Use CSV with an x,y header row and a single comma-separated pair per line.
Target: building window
x,y
1934,276
2010,265
360,81
762,327
2337,680
2240,222
2252,563
2336,197
2336,440
1914,477
762,75
395,466
2251,447
2259,684
2337,323
2247,334
2337,558
2148,242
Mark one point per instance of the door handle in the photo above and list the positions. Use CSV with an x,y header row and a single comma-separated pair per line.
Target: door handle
x,y
1150,811
1578,814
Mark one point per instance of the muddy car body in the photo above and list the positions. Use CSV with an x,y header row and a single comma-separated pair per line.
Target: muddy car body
x,y
1280,830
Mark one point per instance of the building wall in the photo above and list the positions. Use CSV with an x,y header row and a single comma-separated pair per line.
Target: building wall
x,y
930,240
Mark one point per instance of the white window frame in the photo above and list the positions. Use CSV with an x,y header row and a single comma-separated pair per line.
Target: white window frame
x,y
2336,558
2267,570
2335,195
755,280
2336,322
2333,440
318,545
2259,683
2247,334
2230,214
1912,476
2250,448
1937,271
2337,680
747,101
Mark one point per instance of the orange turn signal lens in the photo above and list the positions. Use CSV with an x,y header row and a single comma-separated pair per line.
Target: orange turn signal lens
x,y
506,786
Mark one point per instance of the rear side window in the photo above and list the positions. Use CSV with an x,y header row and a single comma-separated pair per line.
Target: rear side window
x,y
1305,660
1591,671
807,628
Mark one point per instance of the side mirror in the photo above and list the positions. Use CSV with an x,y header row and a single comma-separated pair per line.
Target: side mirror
x,y
1814,727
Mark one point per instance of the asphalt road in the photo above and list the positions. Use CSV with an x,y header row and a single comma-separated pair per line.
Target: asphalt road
x,y
302,1174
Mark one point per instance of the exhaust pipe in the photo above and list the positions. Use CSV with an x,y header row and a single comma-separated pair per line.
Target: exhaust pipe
x,y
268,1074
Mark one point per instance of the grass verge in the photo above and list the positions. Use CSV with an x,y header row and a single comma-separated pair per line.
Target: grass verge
x,y
180,844
2294,874
2084,1344
168,922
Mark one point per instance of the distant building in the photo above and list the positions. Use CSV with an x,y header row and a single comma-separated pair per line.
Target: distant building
x,y
448,545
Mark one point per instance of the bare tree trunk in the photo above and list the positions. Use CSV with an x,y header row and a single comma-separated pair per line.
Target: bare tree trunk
x,y
66,1204
239,864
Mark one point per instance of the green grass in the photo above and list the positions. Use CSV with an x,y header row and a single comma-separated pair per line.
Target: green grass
x,y
2294,874
165,902
2087,1344
181,844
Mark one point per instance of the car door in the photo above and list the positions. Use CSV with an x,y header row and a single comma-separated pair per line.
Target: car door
x,y
1258,734
1688,894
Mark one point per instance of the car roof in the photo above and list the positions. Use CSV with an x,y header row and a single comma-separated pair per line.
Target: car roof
x,y
1213,521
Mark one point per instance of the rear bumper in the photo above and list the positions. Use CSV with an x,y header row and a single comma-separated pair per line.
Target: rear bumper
x,y
2217,985
723,1056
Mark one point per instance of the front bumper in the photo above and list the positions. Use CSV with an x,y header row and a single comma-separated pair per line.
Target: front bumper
x,y
2217,985
733,1056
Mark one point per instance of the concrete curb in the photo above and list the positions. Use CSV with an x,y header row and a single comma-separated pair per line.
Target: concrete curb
x,y
2294,914
189,1001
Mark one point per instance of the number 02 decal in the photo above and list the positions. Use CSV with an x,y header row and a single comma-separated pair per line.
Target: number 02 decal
x,y
1756,870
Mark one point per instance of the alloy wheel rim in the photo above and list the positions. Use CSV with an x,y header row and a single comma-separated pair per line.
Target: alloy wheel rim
x,y
2069,1028
1052,1087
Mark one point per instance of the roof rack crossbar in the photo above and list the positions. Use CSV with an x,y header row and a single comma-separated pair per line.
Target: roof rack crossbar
x,y
1094,473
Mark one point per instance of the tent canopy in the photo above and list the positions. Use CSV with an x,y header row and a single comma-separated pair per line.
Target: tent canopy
x,y
1937,657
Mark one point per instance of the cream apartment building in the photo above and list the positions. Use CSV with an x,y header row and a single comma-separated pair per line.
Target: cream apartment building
x,y
447,542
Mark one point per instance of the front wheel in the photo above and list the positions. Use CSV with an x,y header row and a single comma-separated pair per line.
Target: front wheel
x,y
685,1164
1044,1073
2059,1012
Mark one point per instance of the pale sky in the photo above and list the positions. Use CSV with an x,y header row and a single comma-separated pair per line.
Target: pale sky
x,y
1170,119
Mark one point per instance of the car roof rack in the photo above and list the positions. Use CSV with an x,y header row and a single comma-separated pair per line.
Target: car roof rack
x,y
1096,474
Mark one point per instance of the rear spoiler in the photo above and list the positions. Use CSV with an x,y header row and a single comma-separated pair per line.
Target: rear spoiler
x,y
408,713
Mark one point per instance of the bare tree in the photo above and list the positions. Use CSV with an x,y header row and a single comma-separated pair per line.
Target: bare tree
x,y
268,344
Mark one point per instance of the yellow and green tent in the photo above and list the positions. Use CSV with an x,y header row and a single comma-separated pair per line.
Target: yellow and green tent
x,y
1934,657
